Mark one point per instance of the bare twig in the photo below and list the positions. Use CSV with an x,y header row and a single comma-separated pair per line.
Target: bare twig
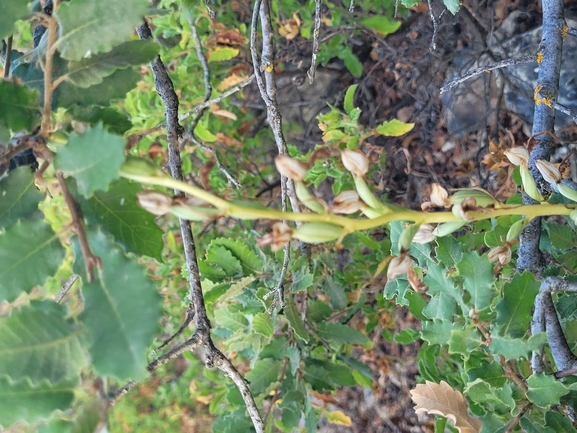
x,y
65,288
516,420
433,46
352,6
201,336
565,110
207,92
90,260
187,320
230,91
8,57
497,65
313,68
530,257
265,78
572,32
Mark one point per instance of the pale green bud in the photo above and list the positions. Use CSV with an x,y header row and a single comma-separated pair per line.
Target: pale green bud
x,y
140,169
318,233
516,228
448,228
371,213
367,195
308,199
567,191
529,185
407,236
573,216
191,208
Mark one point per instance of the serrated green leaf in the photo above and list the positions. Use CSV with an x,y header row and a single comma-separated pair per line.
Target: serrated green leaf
x,y
441,306
558,422
448,250
116,86
222,257
295,321
19,109
10,12
20,197
562,236
90,416
87,28
113,120
93,159
335,292
337,374
211,272
121,310
497,399
228,319
264,372
545,390
394,128
438,282
348,103
204,134
39,343
530,426
317,377
92,70
452,5
117,211
514,310
55,426
342,334
22,401
235,422
237,288
479,279
250,262
409,3
437,331
262,324
465,341
516,348
381,24
351,61
301,280
317,311
222,54
30,252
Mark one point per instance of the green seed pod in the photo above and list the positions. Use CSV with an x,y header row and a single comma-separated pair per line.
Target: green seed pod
x,y
367,195
516,229
318,233
529,184
448,228
372,213
407,236
194,213
482,197
140,169
573,216
567,191
308,199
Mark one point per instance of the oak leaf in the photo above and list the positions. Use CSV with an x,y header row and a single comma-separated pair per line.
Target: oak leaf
x,y
440,399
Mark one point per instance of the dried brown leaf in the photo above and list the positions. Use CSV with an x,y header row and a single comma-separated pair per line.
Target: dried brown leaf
x,y
440,399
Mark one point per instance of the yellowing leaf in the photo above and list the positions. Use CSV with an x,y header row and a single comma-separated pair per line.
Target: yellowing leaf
x,y
222,54
394,128
290,27
440,399
338,417
233,80
225,113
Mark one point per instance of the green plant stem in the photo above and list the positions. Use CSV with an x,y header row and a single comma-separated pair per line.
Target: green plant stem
x,y
352,225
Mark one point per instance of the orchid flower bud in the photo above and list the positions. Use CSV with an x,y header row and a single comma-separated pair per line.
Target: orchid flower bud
x,y
518,156
290,167
516,228
425,234
140,169
439,196
407,236
501,254
308,199
355,162
347,202
446,229
155,202
281,234
549,172
567,191
399,265
529,185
